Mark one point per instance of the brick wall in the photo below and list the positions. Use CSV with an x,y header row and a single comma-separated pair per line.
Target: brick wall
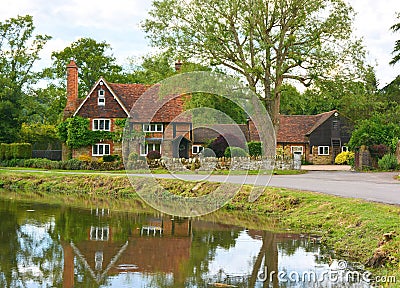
x,y
321,159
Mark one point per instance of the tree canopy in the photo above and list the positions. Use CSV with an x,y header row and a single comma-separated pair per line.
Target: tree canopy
x,y
266,42
396,49
93,59
19,50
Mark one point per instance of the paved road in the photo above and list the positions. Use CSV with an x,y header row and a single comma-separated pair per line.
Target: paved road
x,y
378,187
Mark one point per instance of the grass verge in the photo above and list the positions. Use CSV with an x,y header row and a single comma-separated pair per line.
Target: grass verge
x,y
351,229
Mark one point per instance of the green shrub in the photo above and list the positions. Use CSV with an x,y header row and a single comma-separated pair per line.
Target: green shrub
x,y
133,156
235,152
21,150
15,151
345,158
7,151
388,162
71,164
153,155
110,158
255,148
2,151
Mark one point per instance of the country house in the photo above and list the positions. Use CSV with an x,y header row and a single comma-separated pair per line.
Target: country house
x,y
166,128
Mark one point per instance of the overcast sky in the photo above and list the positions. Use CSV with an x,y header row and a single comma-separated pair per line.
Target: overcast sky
x,y
118,23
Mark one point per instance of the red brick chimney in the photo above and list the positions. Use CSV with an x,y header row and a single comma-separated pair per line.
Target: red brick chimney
x,y
178,66
72,89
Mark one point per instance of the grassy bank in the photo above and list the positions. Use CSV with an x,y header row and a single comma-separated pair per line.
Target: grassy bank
x,y
352,229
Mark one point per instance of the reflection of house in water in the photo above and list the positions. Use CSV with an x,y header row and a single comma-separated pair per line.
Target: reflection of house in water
x,y
157,245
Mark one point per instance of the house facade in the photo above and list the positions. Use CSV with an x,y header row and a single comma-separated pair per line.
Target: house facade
x,y
108,104
318,138
166,128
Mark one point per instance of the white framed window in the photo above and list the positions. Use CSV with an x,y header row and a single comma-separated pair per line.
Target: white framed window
x,y
196,149
101,97
147,147
100,149
152,128
101,124
297,150
323,150
345,149
99,233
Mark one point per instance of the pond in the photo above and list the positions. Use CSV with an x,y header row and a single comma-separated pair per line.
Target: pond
x,y
55,246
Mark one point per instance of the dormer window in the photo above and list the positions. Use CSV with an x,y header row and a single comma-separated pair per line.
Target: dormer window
x,y
101,100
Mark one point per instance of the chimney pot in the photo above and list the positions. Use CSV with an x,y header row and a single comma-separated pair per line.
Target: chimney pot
x,y
178,65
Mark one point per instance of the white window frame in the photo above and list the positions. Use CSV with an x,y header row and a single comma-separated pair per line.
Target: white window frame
x,y
153,127
104,124
97,233
98,149
101,97
198,149
345,149
147,147
296,150
324,153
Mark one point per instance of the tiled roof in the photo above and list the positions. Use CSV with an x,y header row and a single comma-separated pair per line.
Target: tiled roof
x,y
296,128
147,101
203,134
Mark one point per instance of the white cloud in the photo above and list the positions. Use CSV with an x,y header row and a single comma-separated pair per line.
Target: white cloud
x,y
373,22
117,22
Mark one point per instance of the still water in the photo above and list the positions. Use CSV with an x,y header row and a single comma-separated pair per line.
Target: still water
x,y
55,246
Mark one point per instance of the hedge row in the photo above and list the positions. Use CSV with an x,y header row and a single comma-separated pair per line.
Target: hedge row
x,y
15,151
72,164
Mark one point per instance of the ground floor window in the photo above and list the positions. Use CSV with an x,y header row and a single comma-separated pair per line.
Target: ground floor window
x,y
99,233
323,150
147,147
345,149
196,149
297,150
101,149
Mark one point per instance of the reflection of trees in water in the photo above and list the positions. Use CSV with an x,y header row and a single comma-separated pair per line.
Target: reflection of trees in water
x,y
20,247
24,254
8,248
290,246
202,253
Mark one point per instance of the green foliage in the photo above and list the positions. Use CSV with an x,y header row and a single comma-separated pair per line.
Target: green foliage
x,y
75,133
396,49
299,42
38,132
374,131
133,156
20,49
220,103
152,155
152,69
255,148
93,59
345,158
388,162
111,158
120,122
235,152
15,151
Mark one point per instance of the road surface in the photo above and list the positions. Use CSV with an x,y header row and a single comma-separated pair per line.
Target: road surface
x,y
377,187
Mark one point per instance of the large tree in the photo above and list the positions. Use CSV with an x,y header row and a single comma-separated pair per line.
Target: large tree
x,y
266,41
94,60
396,50
19,50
